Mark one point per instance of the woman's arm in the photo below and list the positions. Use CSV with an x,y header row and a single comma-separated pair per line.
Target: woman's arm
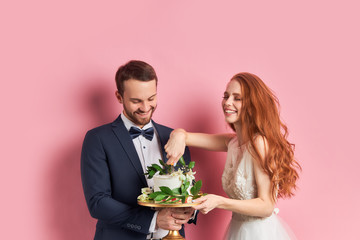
x,y
179,139
262,206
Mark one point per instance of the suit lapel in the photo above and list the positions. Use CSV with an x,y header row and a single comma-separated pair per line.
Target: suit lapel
x,y
126,142
163,140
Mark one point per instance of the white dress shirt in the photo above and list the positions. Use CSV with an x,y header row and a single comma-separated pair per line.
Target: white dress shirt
x,y
149,152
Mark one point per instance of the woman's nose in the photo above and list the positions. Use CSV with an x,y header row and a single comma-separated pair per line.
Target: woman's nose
x,y
228,101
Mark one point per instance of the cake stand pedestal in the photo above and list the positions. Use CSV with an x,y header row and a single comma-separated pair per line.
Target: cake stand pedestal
x,y
172,235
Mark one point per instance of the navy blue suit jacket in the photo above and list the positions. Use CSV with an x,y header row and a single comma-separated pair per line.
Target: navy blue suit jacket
x,y
112,178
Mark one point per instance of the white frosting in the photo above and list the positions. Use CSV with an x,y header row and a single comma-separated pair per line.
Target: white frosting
x,y
166,181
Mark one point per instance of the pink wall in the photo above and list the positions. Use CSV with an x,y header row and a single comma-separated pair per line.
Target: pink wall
x,y
58,62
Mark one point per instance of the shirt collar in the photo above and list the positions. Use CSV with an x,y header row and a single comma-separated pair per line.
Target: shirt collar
x,y
128,123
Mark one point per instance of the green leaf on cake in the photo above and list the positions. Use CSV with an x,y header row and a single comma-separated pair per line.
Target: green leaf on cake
x,y
192,191
160,197
196,188
183,190
182,161
176,191
151,173
198,185
161,162
166,190
191,164
157,167
155,194
183,198
187,185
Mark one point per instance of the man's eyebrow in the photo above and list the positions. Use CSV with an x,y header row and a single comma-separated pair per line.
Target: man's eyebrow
x,y
137,99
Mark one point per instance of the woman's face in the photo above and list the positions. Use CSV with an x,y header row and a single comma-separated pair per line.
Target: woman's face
x,y
232,102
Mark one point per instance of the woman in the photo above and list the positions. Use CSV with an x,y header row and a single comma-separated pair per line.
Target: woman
x,y
260,165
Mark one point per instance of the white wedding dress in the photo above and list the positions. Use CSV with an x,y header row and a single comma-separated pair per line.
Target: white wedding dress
x,y
238,182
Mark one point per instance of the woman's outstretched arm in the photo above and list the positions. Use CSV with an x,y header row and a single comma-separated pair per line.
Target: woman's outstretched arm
x,y
179,139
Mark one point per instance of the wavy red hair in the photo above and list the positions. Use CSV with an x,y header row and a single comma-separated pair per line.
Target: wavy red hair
x,y
260,117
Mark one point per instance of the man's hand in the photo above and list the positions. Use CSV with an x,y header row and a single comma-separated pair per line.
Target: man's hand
x,y
183,214
173,218
164,220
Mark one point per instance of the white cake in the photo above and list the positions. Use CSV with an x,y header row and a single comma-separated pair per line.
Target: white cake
x,y
166,181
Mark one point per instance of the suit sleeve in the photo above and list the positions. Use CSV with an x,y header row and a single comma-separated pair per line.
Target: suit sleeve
x,y
97,189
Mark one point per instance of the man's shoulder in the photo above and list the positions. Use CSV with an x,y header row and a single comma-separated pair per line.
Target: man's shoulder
x,y
162,128
102,129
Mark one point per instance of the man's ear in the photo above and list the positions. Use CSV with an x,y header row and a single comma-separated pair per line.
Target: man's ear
x,y
118,96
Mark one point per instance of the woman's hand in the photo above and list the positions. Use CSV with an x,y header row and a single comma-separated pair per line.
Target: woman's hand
x,y
208,203
175,147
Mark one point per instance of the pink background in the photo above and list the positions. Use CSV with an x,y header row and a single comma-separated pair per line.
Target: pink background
x,y
58,61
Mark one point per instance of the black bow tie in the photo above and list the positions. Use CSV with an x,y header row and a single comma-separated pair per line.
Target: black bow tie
x,y
147,133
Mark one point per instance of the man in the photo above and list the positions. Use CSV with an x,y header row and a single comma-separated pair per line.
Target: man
x,y
115,156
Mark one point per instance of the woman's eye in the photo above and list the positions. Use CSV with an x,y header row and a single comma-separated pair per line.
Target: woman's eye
x,y
238,99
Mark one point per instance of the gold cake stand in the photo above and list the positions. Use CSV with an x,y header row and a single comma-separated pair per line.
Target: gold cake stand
x,y
173,234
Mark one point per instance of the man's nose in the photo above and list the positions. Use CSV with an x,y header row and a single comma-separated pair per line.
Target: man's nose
x,y
145,107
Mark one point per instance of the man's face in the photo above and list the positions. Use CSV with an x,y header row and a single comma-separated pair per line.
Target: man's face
x,y
139,100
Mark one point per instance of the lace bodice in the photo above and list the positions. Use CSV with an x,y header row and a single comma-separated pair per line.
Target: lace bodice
x,y
238,180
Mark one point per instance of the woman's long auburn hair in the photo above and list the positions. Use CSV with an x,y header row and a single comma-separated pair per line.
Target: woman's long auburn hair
x,y
260,117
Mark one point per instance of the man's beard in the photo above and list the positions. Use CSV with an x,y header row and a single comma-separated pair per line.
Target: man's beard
x,y
136,119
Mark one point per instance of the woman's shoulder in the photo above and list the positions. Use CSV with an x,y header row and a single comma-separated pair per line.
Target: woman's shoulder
x,y
260,141
261,144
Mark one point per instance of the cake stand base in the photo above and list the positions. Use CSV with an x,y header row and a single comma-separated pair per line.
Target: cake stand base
x,y
173,235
